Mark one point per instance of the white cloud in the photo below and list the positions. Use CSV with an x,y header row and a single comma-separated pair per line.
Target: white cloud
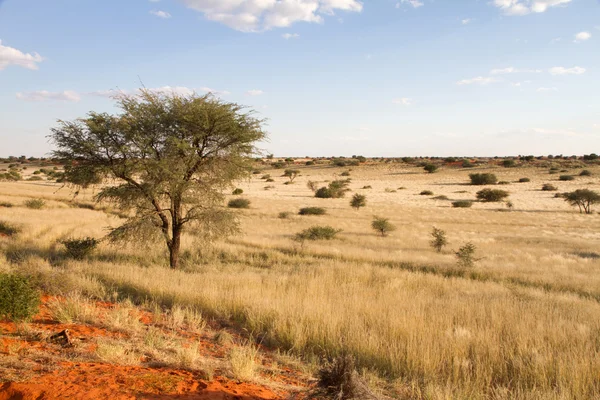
x,y
12,56
214,91
524,7
480,80
466,21
260,15
254,92
413,3
161,14
582,36
44,95
567,71
546,89
404,101
512,70
290,35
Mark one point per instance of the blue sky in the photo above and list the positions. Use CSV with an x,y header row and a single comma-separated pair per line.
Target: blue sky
x,y
333,77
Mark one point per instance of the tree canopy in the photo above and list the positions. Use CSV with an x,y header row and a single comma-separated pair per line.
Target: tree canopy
x,y
166,159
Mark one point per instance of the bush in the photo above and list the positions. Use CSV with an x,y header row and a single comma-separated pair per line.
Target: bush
x,y
237,191
239,203
345,173
291,174
483,179
367,187
503,183
8,229
566,178
312,211
508,163
80,248
438,240
382,225
585,172
547,187
334,190
266,176
467,164
441,197
36,204
426,193
284,215
317,233
19,299
524,180
358,201
430,168
462,204
583,198
466,254
6,204
492,195
339,380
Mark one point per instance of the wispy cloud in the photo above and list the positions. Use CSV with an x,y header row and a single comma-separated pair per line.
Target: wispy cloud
x,y
12,56
404,101
44,95
290,35
480,80
512,70
566,71
254,92
466,21
161,14
524,7
546,89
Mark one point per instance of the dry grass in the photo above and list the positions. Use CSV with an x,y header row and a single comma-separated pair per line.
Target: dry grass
x,y
244,361
522,324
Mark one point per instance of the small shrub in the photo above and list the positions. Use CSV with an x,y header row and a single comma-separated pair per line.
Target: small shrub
x,y
566,178
466,255
367,187
334,190
508,163
467,164
430,168
390,190
358,201
80,248
239,203
585,172
339,380
312,185
244,361
426,193
312,211
266,176
441,197
270,180
492,195
503,183
382,225
284,215
19,299
345,173
548,187
438,240
8,229
34,178
291,174
6,204
35,204
462,204
524,180
317,233
483,179
237,191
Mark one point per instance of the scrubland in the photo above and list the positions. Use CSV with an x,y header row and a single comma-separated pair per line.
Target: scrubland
x,y
523,323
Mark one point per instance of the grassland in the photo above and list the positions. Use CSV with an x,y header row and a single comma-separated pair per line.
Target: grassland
x,y
523,323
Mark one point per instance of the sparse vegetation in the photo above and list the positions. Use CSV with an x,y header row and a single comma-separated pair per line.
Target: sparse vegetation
x,y
8,229
80,248
548,187
483,179
439,239
35,204
291,174
358,201
335,190
382,225
431,168
462,204
466,255
566,178
238,203
312,211
492,195
583,198
237,191
426,193
317,233
524,180
19,299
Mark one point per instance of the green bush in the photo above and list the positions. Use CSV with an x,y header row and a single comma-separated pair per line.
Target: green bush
x,y
239,203
80,248
430,168
585,172
19,299
524,180
583,198
426,193
312,211
383,226
566,178
483,179
367,187
462,204
467,164
508,163
237,191
334,190
547,187
438,240
6,204
284,215
317,233
466,255
503,183
440,197
270,180
8,229
266,176
492,195
358,201
345,173
36,204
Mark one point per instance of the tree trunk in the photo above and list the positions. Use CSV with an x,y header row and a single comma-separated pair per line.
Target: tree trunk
x,y
175,247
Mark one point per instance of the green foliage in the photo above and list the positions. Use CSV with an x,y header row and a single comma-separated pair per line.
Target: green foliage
x,y
383,226
548,187
467,164
80,248
466,255
504,183
345,173
426,193
169,179
284,215
291,174
462,204
431,168
278,165
312,211
237,191
35,204
6,204
8,229
238,203
317,233
438,240
334,190
524,180
492,195
508,163
358,201
585,172
566,178
440,197
590,157
367,187
309,163
583,198
11,176
19,299
266,176
483,179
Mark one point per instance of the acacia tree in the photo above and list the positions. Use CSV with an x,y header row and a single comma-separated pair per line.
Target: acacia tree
x,y
583,198
166,159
